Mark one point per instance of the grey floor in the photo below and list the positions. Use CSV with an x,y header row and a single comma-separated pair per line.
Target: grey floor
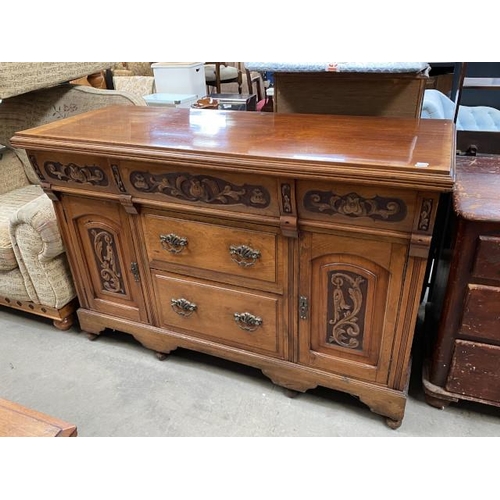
x,y
115,387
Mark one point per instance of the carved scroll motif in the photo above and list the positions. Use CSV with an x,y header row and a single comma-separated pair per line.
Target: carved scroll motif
x,y
107,261
425,214
346,300
204,188
36,168
74,173
118,178
354,205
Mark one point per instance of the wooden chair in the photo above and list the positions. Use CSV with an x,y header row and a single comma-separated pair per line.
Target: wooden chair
x,y
218,73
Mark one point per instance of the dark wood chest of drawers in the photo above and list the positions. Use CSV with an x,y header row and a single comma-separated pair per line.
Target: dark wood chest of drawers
x,y
464,359
296,244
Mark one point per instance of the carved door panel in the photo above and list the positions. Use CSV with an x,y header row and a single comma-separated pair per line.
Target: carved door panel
x,y
106,263
350,290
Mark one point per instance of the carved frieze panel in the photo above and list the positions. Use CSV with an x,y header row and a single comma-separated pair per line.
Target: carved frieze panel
x,y
108,264
201,188
355,205
71,172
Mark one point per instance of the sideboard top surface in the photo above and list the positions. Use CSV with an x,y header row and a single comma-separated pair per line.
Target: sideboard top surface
x,y
415,152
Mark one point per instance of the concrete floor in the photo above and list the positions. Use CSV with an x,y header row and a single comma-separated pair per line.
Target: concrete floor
x,y
115,387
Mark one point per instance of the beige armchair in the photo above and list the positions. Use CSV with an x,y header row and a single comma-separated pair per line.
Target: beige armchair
x,y
34,273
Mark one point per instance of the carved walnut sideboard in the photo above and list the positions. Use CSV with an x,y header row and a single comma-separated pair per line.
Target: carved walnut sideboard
x,y
296,244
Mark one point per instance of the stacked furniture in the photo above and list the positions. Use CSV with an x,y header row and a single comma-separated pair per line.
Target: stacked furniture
x,y
34,273
296,244
347,88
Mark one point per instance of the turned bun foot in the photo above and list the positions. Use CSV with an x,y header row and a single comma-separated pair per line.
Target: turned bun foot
x,y
290,393
437,402
161,356
92,336
393,424
63,324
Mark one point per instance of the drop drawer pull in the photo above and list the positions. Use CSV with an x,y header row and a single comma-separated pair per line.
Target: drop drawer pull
x,y
247,321
244,255
173,243
183,307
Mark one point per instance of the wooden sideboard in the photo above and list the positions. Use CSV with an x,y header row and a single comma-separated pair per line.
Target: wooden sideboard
x,y
464,352
296,244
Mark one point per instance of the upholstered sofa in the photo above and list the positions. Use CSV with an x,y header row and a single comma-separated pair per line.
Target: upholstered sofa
x,y
438,106
34,272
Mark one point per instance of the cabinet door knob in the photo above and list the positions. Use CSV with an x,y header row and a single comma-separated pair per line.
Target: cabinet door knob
x,y
244,255
173,243
183,307
247,321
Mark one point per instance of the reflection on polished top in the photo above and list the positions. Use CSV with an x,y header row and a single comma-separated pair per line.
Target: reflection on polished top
x,y
409,151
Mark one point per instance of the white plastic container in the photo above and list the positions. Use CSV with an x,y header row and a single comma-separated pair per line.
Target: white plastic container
x,y
180,78
171,100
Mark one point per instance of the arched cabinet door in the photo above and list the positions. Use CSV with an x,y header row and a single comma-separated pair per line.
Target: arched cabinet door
x,y
103,258
352,289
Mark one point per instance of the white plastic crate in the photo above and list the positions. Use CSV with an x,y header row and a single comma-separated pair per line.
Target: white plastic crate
x,y
180,78
171,100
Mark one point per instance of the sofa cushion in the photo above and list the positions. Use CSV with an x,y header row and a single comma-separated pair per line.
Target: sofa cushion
x,y
9,204
21,77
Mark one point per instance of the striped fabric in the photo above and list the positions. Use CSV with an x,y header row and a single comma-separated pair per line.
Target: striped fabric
x,y
9,204
18,78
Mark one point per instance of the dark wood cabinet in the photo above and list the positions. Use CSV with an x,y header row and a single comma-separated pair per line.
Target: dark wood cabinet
x,y
296,244
464,355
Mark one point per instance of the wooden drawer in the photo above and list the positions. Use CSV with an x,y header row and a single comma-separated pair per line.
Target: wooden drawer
x,y
221,249
225,315
357,205
482,313
74,171
474,370
487,263
171,183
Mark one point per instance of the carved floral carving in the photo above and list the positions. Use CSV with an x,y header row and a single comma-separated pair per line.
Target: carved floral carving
x,y
346,299
118,178
354,205
72,172
204,188
425,214
107,261
286,198
36,168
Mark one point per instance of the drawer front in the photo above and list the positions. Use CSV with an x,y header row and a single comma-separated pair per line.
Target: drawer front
x,y
74,171
217,190
474,371
223,315
357,205
481,315
241,252
487,263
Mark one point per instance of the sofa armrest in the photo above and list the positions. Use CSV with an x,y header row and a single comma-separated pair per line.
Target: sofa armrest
x,y
39,251
40,216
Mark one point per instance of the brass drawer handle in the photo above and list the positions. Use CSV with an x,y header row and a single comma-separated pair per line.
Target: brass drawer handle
x,y
183,307
244,255
173,243
247,321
